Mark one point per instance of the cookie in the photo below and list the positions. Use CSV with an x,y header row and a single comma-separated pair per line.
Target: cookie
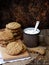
x,y
4,43
14,30
40,50
14,48
6,35
16,33
13,25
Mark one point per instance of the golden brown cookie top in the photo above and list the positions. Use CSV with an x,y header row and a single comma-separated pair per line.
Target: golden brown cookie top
x,y
6,35
13,25
14,48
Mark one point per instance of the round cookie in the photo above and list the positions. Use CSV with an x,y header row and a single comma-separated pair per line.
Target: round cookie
x,y
14,48
14,30
6,35
13,25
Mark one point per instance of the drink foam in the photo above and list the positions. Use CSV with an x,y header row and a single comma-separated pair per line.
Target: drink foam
x,y
31,31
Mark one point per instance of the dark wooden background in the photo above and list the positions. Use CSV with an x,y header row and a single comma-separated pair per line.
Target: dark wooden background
x,y
26,12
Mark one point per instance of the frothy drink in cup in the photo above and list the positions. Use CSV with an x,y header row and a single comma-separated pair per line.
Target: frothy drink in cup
x,y
31,31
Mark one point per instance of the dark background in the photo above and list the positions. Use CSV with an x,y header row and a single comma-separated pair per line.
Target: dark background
x,y
26,12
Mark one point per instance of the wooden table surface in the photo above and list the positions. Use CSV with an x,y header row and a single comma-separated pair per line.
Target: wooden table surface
x,y
40,59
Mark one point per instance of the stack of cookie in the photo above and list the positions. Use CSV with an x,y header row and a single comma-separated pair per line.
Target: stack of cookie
x,y
15,28
5,37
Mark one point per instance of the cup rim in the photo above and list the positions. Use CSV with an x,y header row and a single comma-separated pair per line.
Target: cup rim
x,y
30,33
